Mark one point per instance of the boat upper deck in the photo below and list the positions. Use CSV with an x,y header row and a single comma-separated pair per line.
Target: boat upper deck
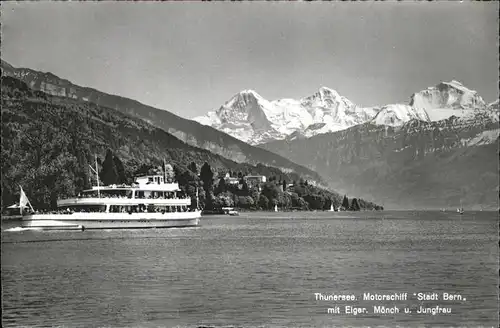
x,y
146,189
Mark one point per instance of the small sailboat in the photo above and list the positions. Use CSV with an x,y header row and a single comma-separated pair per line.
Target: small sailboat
x,y
276,208
461,209
233,213
230,211
331,208
23,201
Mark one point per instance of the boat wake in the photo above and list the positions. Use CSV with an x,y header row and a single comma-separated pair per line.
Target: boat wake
x,y
16,229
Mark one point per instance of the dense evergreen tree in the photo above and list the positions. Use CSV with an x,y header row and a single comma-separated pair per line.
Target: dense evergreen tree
x,y
206,176
120,171
193,168
299,202
270,190
187,180
109,174
221,186
345,202
255,194
354,205
263,202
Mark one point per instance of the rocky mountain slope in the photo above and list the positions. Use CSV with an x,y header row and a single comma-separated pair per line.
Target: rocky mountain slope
x,y
253,119
421,164
188,131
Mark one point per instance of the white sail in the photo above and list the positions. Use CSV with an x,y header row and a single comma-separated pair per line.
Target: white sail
x,y
23,201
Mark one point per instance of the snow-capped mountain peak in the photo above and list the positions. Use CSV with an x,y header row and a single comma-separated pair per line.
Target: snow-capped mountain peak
x,y
447,99
326,97
241,100
253,119
244,116
327,93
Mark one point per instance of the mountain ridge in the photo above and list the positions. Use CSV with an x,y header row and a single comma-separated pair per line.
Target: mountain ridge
x,y
188,131
258,120
425,165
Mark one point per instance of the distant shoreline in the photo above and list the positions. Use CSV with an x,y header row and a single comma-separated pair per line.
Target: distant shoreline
x,y
451,211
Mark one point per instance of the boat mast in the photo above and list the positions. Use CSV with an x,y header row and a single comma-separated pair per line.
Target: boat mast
x,y
164,171
96,171
97,177
197,202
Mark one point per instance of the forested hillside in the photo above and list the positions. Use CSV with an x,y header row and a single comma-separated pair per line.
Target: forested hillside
x,y
48,142
188,131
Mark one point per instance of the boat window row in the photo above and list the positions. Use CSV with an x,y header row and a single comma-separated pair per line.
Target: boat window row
x,y
121,209
140,194
147,209
84,208
119,193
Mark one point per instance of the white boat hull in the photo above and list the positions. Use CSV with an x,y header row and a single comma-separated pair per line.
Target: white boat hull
x,y
82,221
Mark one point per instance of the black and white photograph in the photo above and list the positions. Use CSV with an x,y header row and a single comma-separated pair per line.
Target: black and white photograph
x,y
234,164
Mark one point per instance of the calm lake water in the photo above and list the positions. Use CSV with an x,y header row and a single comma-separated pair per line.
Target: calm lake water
x,y
258,269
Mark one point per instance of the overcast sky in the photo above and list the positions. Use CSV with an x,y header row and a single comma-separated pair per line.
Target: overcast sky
x,y
190,58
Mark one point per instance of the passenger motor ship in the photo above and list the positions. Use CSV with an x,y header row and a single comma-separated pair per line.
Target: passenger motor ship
x,y
151,202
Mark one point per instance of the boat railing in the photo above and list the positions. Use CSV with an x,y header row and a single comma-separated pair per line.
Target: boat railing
x,y
159,197
101,196
49,212
124,201
121,197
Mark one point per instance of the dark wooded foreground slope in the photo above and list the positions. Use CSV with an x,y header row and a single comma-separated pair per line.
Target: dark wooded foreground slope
x,y
48,142
188,131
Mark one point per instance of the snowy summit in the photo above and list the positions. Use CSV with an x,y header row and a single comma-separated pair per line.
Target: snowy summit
x,y
251,118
